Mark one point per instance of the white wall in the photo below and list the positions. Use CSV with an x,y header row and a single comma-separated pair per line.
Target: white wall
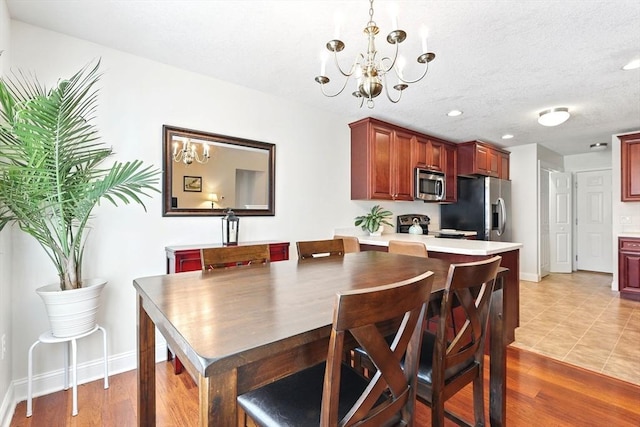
x,y
619,208
524,172
588,161
138,96
6,400
524,201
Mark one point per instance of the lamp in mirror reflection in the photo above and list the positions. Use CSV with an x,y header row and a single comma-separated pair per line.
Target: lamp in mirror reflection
x,y
188,153
213,197
370,69
230,228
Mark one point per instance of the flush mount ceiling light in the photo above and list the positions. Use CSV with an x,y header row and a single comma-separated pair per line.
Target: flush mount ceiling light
x,y
507,136
633,65
598,146
371,72
454,113
554,116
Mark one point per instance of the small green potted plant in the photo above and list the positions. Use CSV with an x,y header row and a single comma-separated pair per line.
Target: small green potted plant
x,y
372,222
52,176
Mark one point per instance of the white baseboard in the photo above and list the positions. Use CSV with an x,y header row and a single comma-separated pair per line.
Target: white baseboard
x,y
8,407
529,277
51,382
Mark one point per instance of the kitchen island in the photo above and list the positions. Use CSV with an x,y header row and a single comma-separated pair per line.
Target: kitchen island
x,y
462,250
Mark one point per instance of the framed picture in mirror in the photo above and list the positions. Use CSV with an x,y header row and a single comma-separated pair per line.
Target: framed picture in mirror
x,y
192,184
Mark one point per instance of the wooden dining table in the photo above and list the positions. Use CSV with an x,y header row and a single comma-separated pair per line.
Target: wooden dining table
x,y
237,329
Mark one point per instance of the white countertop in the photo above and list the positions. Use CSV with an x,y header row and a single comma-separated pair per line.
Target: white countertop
x,y
452,246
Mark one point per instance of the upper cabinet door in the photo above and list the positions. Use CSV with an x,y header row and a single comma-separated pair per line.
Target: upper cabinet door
x,y
480,158
429,154
381,162
402,177
630,167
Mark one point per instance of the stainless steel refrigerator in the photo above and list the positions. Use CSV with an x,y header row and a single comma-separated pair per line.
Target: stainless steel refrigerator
x,y
484,206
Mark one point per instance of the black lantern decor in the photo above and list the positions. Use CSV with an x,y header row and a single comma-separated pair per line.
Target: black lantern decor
x,y
230,228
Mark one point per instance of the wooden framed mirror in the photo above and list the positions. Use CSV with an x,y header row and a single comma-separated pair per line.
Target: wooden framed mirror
x,y
206,173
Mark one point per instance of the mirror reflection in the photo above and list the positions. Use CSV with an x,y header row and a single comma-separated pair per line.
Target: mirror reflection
x,y
205,174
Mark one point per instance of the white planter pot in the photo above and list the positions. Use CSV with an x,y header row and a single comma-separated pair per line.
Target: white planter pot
x,y
72,312
377,233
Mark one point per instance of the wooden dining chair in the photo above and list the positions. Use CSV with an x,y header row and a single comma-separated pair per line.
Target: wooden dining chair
x,y
222,257
447,366
230,256
316,248
332,394
351,243
408,248
419,249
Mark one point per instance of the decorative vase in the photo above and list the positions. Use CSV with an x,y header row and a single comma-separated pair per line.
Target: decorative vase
x,y
376,233
72,312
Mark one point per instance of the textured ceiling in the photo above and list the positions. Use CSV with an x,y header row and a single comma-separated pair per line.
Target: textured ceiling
x,y
500,62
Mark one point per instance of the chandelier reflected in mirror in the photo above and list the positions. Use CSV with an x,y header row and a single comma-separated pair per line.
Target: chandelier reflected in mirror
x,y
371,72
189,152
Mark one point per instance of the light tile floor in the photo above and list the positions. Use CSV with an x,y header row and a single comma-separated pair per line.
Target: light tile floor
x,y
576,318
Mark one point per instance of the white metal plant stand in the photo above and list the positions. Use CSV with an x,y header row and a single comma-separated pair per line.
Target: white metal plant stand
x,y
48,338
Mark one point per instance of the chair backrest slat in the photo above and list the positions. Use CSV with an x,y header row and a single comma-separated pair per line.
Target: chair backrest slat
x,y
351,243
316,248
366,315
230,256
408,248
470,285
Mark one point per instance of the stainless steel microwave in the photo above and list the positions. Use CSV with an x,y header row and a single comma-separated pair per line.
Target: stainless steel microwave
x,y
429,186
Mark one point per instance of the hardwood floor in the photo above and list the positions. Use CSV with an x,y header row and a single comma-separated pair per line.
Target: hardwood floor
x,y
540,391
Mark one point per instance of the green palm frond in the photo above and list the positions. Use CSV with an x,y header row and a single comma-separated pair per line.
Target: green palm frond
x,y
51,176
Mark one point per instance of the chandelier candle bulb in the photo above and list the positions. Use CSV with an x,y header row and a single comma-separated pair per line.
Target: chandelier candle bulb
x,y
424,32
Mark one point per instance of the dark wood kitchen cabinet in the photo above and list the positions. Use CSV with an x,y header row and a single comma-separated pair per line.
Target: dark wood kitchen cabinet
x,y
480,158
629,267
450,173
630,167
429,154
381,161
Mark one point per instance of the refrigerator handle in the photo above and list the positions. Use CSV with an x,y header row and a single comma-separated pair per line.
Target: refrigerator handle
x,y
503,216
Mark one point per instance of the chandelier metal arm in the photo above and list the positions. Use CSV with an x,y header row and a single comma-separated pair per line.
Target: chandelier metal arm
x,y
328,95
353,66
426,69
393,61
386,91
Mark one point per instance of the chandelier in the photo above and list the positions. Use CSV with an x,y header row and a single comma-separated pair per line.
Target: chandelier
x,y
371,72
189,153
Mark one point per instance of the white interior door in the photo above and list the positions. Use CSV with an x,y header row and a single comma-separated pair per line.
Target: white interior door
x,y
543,217
560,222
594,248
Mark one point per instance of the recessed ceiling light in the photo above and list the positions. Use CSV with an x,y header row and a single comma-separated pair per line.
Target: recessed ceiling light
x,y
554,116
598,146
454,113
633,65
507,136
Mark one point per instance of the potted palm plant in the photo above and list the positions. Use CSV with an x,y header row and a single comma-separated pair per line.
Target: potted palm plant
x,y
52,176
372,222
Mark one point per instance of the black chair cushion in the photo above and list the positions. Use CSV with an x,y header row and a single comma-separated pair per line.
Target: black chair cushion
x,y
425,370
295,401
